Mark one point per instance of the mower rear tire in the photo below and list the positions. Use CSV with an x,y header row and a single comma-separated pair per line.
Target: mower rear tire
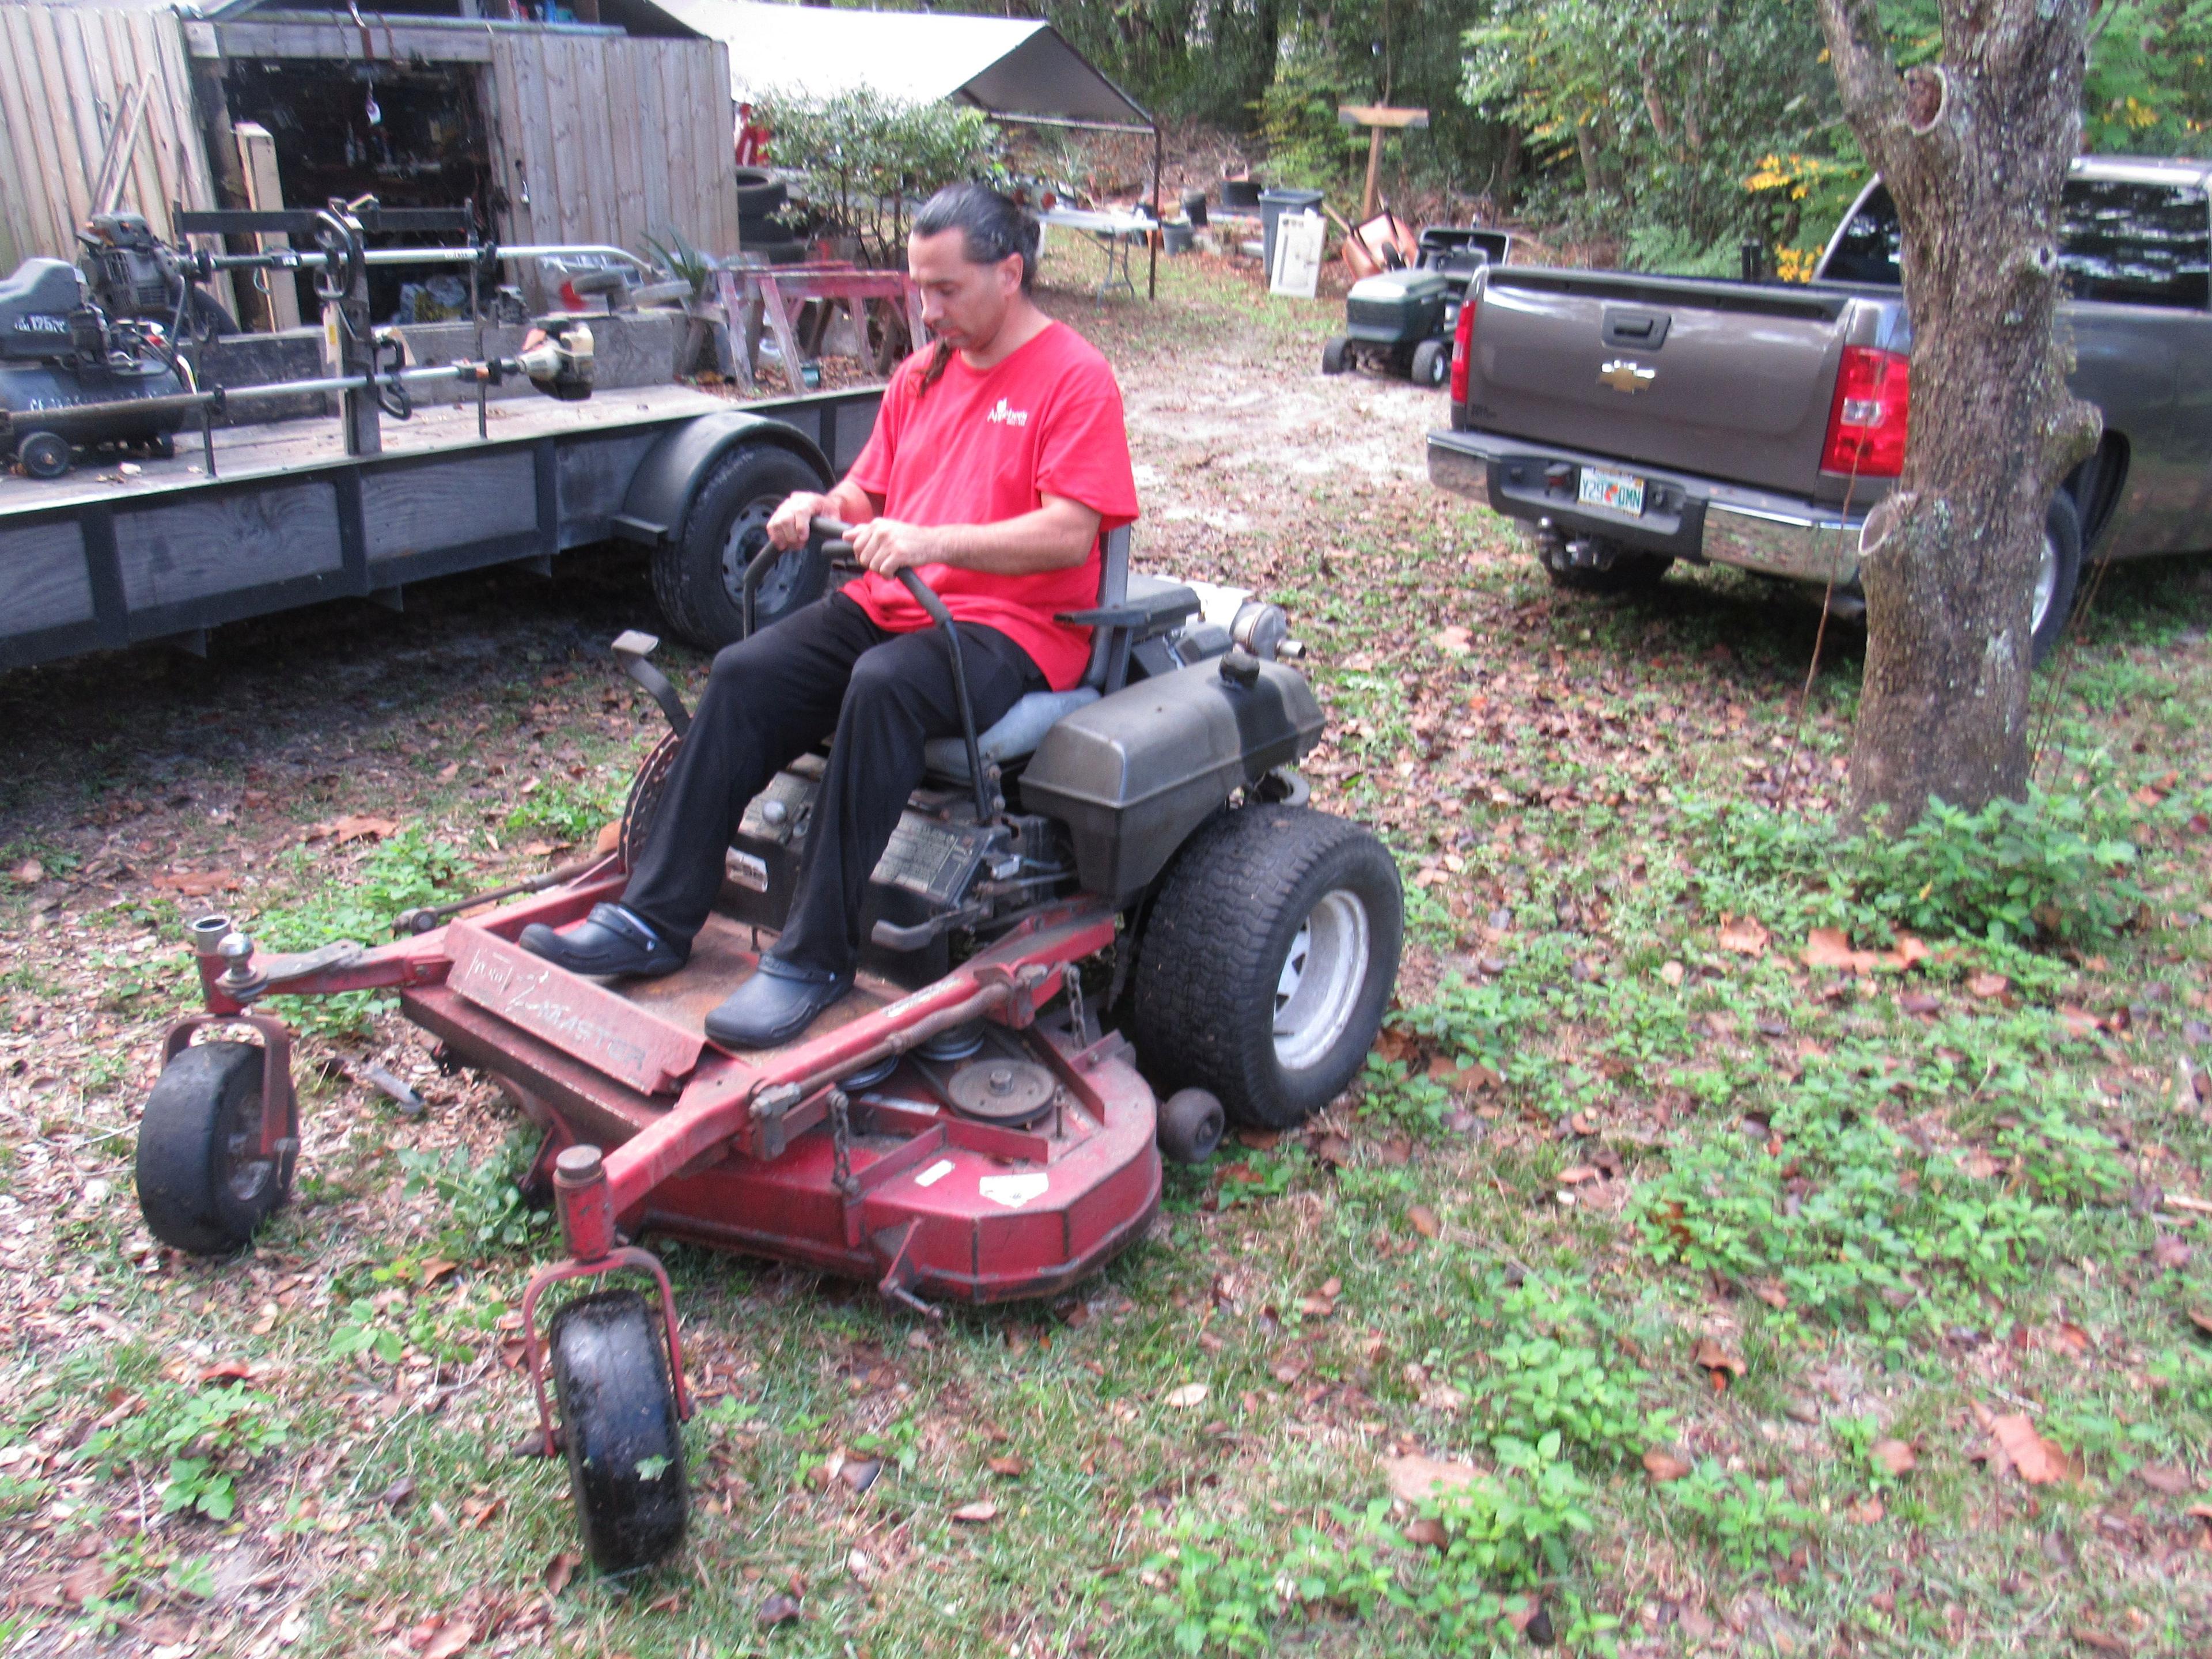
x,y
204,1186
1432,363
1268,961
618,1422
697,576
1336,356
1191,1125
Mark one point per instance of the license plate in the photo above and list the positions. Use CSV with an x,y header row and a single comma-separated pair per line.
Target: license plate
x,y
1623,492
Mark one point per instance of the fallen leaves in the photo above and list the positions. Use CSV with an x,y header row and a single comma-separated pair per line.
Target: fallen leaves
x,y
451,1637
1720,1363
2037,1460
778,1609
560,1570
1827,947
1414,1478
1895,1455
1189,1394
30,872
979,1513
2165,1478
1423,1220
1453,642
1743,935
1987,986
353,827
1009,1467
195,884
1662,1465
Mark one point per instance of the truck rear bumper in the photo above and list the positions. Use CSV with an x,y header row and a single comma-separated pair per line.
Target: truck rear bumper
x,y
1687,517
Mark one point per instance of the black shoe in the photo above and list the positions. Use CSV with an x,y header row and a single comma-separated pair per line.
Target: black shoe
x,y
609,943
774,1005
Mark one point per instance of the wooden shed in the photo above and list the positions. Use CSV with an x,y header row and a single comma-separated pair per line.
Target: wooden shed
x,y
559,128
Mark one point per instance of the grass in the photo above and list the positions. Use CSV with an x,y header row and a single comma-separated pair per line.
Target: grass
x,y
1628,1189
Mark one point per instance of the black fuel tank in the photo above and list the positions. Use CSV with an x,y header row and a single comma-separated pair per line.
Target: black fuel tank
x,y
1132,774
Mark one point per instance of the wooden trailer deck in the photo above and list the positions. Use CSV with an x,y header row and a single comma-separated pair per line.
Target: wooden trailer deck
x,y
105,558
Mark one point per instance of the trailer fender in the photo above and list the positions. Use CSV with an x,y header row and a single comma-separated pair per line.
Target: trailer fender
x,y
661,489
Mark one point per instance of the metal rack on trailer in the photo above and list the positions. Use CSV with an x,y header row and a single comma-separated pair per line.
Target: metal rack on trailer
x,y
258,519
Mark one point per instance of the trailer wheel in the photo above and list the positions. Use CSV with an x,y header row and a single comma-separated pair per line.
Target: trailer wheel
x,y
1268,961
697,577
1432,363
618,1422
2056,577
43,454
1336,356
203,1184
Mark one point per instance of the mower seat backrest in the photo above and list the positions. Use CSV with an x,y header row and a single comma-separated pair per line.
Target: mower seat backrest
x,y
1022,728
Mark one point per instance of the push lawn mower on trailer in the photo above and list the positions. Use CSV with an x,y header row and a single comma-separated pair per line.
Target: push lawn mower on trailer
x,y
1115,888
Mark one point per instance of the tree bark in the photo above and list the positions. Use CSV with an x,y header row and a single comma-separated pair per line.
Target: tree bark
x,y
1975,150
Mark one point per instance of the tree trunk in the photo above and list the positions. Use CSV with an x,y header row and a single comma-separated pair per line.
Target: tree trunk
x,y
1975,150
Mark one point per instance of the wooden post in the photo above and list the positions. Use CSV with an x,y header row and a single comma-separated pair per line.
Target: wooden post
x,y
265,192
1377,118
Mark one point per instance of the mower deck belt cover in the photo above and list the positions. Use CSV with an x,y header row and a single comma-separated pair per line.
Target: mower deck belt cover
x,y
1132,774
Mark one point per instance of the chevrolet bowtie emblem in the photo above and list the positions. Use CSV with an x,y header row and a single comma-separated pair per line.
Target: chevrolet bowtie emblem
x,y
1623,376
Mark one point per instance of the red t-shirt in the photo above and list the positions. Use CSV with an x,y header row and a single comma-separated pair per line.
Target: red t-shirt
x,y
981,447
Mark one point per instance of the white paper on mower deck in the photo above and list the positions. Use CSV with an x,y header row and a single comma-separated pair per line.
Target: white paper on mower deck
x,y
1013,1191
1299,238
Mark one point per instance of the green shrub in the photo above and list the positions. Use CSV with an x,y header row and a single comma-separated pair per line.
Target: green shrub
x,y
865,157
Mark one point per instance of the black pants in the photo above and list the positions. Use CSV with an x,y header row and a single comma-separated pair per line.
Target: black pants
x,y
825,668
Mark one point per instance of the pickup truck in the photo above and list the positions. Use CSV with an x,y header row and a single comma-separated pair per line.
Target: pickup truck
x,y
1630,419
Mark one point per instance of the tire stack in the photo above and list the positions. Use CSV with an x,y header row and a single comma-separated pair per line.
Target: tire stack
x,y
761,196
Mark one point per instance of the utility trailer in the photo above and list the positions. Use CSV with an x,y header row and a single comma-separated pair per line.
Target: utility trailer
x,y
99,558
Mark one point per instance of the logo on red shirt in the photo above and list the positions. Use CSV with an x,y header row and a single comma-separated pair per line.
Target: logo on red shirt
x,y
1004,415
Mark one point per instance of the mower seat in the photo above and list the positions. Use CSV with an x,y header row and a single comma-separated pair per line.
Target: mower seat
x,y
1016,734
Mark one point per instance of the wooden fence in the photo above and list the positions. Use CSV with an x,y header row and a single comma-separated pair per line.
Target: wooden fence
x,y
67,80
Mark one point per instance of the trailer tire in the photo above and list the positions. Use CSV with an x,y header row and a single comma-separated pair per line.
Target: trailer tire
x,y
1431,365
1268,961
696,576
619,1428
2061,569
202,1186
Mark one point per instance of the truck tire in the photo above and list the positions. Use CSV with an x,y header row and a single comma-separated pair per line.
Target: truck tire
x,y
1629,573
1432,363
1266,963
2059,574
696,576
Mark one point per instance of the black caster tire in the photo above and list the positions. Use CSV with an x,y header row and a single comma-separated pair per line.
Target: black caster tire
x,y
1629,573
1268,961
44,454
696,576
1336,356
1431,364
204,1186
2056,579
618,1424
1191,1125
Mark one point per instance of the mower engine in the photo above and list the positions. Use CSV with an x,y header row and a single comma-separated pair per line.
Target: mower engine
x,y
59,347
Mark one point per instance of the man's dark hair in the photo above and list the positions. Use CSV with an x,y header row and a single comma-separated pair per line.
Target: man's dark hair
x,y
991,226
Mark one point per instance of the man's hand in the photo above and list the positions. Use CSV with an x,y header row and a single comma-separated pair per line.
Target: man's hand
x,y
887,546
794,522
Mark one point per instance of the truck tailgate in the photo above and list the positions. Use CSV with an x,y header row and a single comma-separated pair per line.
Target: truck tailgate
x,y
1729,380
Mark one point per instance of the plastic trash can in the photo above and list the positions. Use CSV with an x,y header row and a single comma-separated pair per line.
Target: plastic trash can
x,y
1273,204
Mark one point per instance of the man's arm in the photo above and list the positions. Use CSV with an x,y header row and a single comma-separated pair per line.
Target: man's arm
x,y
1056,537
791,522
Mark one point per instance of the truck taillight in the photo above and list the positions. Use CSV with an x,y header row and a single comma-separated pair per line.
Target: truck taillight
x,y
1866,425
1463,342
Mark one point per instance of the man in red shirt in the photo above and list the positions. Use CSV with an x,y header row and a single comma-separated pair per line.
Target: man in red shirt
x,y
999,461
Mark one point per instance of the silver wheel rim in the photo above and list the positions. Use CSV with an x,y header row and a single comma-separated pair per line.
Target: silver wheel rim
x,y
1318,987
747,541
2046,584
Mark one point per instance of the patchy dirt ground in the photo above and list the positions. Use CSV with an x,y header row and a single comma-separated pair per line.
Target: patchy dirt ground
x,y
1773,1244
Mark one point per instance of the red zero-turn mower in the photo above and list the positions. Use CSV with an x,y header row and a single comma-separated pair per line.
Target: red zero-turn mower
x,y
1116,889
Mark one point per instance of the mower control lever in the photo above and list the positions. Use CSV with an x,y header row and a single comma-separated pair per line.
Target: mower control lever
x,y
631,649
839,548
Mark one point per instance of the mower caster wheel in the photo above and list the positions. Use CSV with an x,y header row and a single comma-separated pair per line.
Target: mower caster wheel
x,y
1336,356
1431,364
619,1421
203,1184
1190,1126
43,454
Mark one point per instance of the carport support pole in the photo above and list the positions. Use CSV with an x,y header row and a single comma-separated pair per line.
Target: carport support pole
x,y
1152,241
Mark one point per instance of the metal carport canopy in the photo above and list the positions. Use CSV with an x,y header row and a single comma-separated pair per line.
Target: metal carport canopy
x,y
1013,71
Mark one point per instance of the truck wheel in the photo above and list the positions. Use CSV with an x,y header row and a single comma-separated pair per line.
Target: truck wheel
x,y
1336,356
1629,573
1265,970
2056,575
696,576
203,1184
619,1426
1432,363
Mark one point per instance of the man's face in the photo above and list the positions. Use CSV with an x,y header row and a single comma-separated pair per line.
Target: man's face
x,y
962,303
